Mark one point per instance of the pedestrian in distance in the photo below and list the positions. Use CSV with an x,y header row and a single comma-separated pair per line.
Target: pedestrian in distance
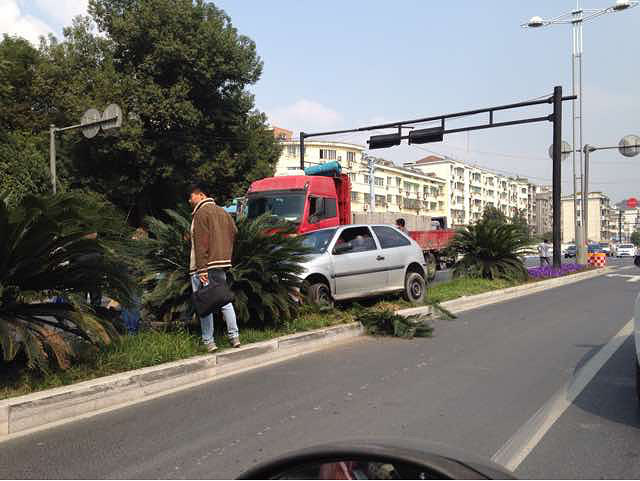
x,y
213,234
544,251
401,225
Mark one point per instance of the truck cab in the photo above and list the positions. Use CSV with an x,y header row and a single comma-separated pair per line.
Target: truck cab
x,y
311,202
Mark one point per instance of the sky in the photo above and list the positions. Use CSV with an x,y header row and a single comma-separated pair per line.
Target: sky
x,y
341,64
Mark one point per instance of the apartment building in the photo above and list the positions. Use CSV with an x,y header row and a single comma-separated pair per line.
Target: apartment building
x,y
395,189
599,218
472,188
543,210
623,221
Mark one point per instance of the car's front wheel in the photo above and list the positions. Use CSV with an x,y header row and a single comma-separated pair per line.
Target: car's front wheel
x,y
415,288
319,294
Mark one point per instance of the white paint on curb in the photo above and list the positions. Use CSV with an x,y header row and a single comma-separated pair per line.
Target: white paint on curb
x,y
42,410
467,303
518,447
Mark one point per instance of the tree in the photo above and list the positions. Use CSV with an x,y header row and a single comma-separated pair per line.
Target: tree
x,y
180,70
520,220
490,250
635,238
493,214
46,250
264,276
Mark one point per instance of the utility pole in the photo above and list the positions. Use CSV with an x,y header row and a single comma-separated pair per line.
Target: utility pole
x,y
557,173
620,225
372,170
52,157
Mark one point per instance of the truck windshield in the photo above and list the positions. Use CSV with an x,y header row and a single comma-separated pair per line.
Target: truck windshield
x,y
287,206
318,241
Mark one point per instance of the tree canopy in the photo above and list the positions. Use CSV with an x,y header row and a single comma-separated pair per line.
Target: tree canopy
x,y
179,69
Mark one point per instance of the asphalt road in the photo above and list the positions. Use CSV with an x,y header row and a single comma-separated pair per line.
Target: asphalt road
x,y
472,387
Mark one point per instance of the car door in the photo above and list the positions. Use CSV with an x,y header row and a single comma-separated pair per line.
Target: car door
x,y
394,247
357,270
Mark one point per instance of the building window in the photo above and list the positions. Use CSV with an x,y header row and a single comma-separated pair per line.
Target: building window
x,y
399,200
367,179
389,199
353,176
389,181
367,198
398,181
381,200
379,181
292,151
327,154
355,196
351,156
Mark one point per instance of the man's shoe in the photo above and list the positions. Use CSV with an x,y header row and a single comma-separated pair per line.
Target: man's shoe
x,y
235,342
211,346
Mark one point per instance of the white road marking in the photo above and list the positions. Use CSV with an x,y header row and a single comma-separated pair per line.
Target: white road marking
x,y
629,278
518,447
627,268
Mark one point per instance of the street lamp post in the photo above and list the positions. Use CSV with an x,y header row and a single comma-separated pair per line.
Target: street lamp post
x,y
576,18
629,146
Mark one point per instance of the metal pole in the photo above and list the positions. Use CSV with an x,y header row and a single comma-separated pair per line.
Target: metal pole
x,y
573,133
620,225
557,172
372,201
302,136
585,195
52,156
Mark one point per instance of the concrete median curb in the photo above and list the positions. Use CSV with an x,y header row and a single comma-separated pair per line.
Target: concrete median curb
x,y
44,409
33,412
501,295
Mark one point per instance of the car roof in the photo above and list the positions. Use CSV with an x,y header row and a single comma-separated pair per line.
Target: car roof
x,y
354,225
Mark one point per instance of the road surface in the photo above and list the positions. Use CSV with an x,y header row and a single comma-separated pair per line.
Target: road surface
x,y
474,386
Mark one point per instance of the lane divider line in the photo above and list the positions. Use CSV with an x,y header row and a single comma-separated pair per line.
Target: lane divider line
x,y
518,447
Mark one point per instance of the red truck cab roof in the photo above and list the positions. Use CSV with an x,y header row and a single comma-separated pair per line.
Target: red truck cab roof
x,y
317,185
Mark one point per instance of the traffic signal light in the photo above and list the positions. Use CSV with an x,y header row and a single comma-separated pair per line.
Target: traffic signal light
x,y
424,136
384,141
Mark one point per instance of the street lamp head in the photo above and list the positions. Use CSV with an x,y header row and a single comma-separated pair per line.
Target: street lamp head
x,y
535,22
621,5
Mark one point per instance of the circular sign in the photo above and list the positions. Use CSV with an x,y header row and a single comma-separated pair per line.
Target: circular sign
x,y
90,116
565,149
113,113
632,203
629,146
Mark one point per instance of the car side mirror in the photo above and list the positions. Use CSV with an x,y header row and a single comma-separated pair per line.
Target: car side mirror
x,y
342,248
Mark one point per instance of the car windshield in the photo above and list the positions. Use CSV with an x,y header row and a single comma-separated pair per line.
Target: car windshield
x,y
627,246
318,241
285,206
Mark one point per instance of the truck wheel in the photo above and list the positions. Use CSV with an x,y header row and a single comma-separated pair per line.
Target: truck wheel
x,y
414,288
432,266
320,295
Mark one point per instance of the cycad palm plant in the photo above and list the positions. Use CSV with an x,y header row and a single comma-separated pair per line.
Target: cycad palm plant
x,y
266,262
47,249
490,249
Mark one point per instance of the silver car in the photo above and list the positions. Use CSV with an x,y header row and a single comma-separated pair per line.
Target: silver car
x,y
354,261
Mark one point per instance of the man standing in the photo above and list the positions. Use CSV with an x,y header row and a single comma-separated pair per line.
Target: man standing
x,y
544,251
400,224
213,233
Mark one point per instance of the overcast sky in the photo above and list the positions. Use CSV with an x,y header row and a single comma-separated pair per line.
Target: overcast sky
x,y
341,64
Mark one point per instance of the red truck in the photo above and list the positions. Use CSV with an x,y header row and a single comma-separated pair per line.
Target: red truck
x,y
321,199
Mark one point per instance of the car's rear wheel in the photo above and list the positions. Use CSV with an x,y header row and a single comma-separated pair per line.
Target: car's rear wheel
x,y
431,267
319,294
415,288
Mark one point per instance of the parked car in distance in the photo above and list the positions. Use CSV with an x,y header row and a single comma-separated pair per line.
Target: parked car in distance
x,y
625,250
571,251
606,248
595,249
355,261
